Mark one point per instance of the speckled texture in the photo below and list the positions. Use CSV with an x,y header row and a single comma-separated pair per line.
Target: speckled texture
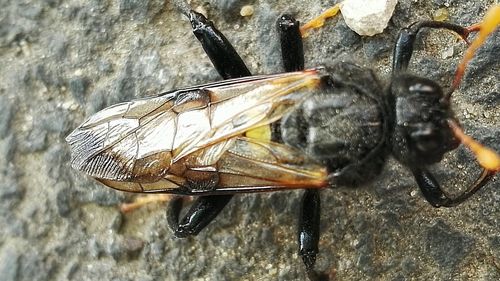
x,y
61,61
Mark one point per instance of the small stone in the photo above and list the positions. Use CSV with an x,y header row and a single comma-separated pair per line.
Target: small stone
x,y
157,249
55,121
367,17
9,34
96,102
376,48
441,14
71,269
448,53
117,221
246,11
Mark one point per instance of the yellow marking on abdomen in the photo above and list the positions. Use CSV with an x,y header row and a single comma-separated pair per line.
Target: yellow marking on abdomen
x,y
260,133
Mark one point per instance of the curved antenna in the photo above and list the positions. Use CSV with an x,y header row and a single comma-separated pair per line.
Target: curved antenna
x,y
486,157
482,180
489,23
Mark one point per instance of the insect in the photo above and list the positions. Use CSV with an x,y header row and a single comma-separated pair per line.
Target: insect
x,y
322,127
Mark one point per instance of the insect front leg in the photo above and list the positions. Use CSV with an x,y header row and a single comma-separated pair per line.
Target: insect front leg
x,y
433,193
403,49
201,213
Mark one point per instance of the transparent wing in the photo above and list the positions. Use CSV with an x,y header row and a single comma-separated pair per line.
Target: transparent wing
x,y
255,165
143,140
248,165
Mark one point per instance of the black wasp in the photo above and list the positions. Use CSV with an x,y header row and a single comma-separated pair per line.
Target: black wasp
x,y
307,129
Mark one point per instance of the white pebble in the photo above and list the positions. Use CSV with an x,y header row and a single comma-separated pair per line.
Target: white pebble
x,y
367,17
448,53
246,11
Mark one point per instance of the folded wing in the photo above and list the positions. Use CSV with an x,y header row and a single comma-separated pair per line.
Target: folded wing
x,y
248,165
143,140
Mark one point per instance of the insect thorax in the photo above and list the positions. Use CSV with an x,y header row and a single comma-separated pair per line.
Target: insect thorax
x,y
343,125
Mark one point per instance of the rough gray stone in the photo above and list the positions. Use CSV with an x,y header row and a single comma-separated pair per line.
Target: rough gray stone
x,y
377,48
10,191
7,149
9,263
229,7
34,140
140,10
485,58
124,248
63,61
105,66
57,45
446,246
6,113
94,248
34,266
64,202
78,87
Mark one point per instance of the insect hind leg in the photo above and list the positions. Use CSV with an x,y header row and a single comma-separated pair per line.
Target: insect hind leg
x,y
222,54
228,64
292,51
308,232
199,215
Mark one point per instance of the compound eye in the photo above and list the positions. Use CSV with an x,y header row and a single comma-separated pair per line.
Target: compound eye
x,y
425,140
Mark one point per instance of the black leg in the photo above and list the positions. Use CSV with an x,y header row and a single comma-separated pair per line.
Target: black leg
x,y
201,213
308,233
173,212
403,49
292,51
292,55
435,195
229,65
222,54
